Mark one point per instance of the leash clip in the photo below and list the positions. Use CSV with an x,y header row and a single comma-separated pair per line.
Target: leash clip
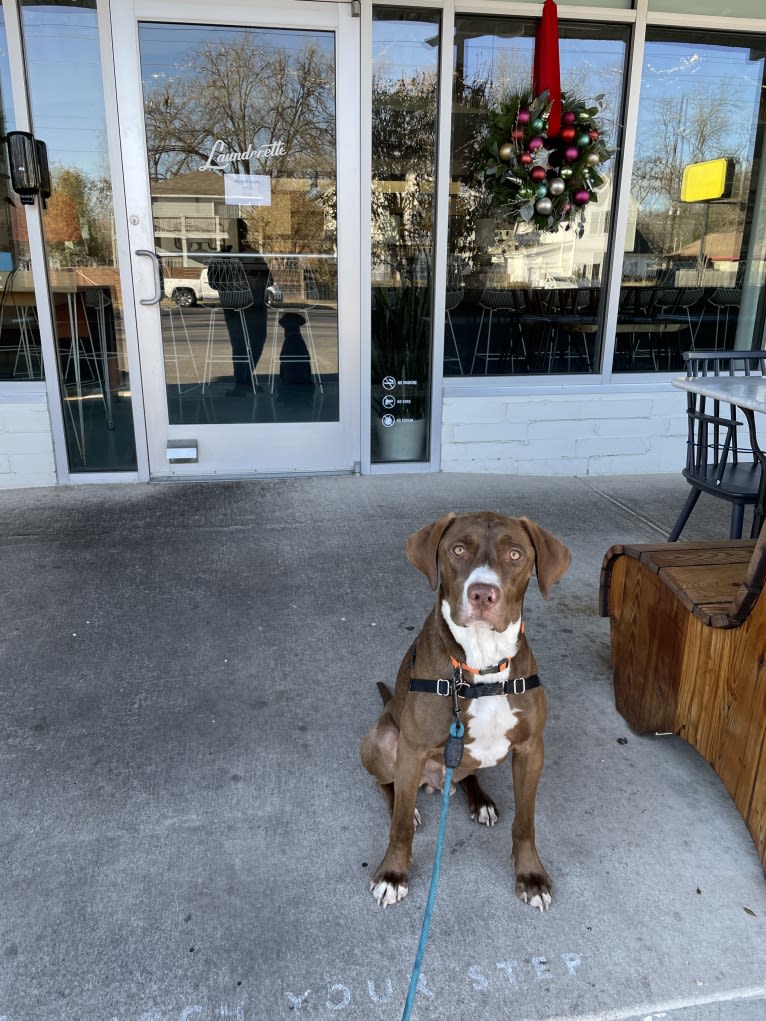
x,y
458,682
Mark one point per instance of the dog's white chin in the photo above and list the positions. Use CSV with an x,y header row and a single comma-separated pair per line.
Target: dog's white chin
x,y
482,644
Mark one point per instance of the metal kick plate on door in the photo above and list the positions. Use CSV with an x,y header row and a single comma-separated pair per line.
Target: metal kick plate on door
x,y
182,452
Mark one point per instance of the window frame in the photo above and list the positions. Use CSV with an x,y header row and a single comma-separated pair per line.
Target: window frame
x,y
604,379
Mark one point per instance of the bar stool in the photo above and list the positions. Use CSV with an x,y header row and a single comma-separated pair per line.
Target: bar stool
x,y
453,297
498,297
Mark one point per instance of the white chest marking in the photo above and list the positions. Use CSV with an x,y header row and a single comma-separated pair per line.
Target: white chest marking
x,y
482,646
489,721
490,718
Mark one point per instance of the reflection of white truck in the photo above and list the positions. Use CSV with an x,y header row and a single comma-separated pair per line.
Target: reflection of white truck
x,y
188,289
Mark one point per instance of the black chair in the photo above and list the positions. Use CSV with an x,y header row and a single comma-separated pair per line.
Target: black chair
x,y
569,315
720,460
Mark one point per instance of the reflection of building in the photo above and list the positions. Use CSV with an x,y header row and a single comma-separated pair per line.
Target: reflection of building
x,y
546,259
185,222
720,252
190,220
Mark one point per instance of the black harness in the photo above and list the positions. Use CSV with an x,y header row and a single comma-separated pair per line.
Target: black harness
x,y
457,686
446,685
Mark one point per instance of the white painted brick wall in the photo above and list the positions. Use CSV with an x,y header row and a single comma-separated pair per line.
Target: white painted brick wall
x,y
595,432
599,431
26,445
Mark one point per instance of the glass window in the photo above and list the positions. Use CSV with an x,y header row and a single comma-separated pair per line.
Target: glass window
x,y
718,8
245,230
404,112
693,269
78,223
524,288
624,5
614,4
20,357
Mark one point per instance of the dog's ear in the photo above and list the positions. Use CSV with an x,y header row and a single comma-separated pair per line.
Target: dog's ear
x,y
422,546
552,558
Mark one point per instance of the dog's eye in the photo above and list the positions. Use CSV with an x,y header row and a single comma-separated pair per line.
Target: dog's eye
x,y
458,549
514,554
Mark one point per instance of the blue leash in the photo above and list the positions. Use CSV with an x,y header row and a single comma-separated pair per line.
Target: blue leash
x,y
453,753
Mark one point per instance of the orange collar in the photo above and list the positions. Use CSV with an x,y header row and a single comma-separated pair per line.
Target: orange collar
x,y
504,664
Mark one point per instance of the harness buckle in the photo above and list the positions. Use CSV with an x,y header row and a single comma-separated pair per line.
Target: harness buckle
x,y
443,687
519,685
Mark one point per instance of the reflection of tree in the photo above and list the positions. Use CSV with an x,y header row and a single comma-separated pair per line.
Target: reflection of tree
x,y
62,224
403,143
403,153
677,132
78,219
673,132
248,93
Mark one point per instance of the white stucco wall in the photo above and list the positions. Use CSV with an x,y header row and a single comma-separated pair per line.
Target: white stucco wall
x,y
604,430
26,444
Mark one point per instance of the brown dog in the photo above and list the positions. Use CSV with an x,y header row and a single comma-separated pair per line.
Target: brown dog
x,y
472,641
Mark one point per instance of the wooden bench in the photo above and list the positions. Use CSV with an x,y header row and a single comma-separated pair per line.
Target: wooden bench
x,y
688,639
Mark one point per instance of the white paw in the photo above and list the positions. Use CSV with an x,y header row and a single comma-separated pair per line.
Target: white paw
x,y
486,816
386,893
541,901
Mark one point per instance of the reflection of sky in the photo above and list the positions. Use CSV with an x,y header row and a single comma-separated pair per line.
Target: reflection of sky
x,y
402,49
65,85
169,51
591,66
65,73
9,120
667,65
702,72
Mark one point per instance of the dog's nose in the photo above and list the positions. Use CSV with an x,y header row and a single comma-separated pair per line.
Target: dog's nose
x,y
482,596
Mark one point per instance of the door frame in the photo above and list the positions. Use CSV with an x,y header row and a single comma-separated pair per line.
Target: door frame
x,y
135,233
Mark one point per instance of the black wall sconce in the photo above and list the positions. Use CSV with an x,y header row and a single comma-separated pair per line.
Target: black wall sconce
x,y
28,162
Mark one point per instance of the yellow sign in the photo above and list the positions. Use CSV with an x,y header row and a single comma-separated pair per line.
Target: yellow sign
x,y
704,182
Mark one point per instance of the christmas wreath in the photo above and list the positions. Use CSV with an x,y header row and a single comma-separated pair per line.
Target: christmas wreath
x,y
544,181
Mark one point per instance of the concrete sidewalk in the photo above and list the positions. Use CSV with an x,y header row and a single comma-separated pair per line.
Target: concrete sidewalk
x,y
188,834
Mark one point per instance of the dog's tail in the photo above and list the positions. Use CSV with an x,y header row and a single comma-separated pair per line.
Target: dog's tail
x,y
385,692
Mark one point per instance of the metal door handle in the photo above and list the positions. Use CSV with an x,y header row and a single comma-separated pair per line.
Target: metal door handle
x,y
156,297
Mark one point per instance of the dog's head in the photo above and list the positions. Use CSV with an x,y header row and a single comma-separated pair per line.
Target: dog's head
x,y
482,562
291,322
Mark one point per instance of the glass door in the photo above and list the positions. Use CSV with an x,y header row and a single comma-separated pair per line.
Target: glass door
x,y
247,294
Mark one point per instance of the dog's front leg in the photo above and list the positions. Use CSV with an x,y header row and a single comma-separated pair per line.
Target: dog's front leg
x,y
533,885
390,882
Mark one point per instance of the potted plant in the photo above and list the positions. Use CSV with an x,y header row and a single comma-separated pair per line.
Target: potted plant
x,y
401,362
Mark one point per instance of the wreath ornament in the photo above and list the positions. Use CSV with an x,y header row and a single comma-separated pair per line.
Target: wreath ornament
x,y
543,180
